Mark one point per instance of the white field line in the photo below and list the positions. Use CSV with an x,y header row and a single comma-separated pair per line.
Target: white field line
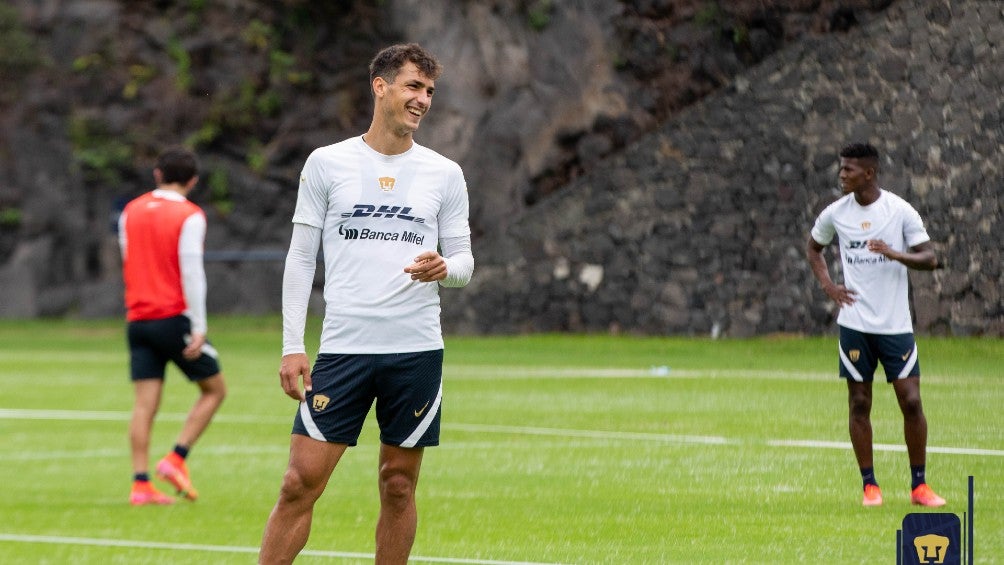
x,y
494,372
74,415
99,542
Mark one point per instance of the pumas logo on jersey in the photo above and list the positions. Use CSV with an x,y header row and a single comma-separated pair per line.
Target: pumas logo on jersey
x,y
383,211
866,225
320,402
386,183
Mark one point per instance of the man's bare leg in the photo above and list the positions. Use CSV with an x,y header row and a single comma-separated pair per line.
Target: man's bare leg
x,y
398,522
310,465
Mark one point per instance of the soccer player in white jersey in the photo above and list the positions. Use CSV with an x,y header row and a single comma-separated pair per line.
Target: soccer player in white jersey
x,y
380,205
880,236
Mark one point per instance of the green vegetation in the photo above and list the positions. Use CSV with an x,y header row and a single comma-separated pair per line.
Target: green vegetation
x,y
139,75
10,217
539,14
101,155
219,191
19,54
182,63
709,14
555,449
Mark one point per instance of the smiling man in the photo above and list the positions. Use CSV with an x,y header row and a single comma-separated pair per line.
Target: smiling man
x,y
392,217
880,236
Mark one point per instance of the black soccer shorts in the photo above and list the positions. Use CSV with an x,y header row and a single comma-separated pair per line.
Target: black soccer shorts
x,y
407,387
860,354
152,343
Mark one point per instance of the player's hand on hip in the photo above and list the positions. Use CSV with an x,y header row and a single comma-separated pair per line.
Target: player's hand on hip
x,y
842,295
293,367
193,346
429,266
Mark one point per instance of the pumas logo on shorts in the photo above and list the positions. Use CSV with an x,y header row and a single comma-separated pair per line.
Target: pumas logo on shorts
x,y
320,402
854,354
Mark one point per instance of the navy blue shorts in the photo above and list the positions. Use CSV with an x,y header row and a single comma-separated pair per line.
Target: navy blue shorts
x,y
860,354
152,343
407,387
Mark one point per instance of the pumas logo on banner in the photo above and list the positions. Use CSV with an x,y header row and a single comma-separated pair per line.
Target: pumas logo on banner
x,y
936,538
932,539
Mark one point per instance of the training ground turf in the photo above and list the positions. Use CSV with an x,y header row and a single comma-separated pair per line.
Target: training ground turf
x,y
555,449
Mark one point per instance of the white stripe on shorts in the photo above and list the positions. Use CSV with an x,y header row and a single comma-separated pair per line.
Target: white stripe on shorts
x,y
209,350
849,366
308,423
910,363
426,422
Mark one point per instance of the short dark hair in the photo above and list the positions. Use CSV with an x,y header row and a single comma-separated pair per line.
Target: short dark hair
x,y
860,151
177,165
389,61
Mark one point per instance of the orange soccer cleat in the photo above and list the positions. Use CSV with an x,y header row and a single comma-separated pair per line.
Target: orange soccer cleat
x,y
873,496
144,493
172,469
924,496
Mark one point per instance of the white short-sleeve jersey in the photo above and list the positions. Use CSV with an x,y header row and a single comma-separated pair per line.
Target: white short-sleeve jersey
x,y
377,213
882,285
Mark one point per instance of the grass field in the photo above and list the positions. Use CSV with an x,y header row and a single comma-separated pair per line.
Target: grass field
x,y
556,449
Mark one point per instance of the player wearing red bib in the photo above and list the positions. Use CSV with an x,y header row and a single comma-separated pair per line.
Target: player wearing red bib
x,y
161,236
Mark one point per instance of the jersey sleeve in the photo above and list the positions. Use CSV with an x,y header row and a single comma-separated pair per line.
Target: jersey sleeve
x,y
823,230
459,261
453,217
914,232
312,194
297,281
193,273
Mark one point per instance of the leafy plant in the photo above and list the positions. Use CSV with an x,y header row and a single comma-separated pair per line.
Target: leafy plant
x,y
10,217
18,53
183,64
539,14
100,154
138,76
219,191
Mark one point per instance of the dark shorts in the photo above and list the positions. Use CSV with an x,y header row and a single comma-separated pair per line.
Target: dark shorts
x,y
152,343
407,387
860,354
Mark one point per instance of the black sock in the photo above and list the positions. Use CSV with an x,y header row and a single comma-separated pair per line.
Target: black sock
x,y
868,476
141,477
181,450
917,476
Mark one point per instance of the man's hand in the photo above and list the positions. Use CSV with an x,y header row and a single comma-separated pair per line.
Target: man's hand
x,y
193,347
294,366
840,294
428,267
882,248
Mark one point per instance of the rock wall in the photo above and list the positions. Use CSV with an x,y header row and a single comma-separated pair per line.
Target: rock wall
x,y
701,227
638,165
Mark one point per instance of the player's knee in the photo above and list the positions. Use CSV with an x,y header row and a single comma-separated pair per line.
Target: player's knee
x,y
911,406
299,488
214,387
396,487
860,406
